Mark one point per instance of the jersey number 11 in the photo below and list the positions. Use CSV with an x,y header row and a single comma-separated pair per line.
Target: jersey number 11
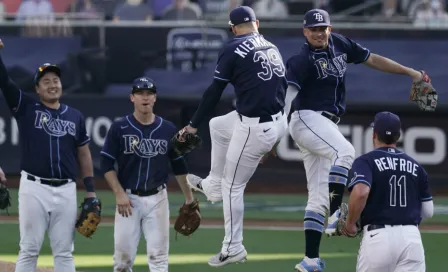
x,y
397,186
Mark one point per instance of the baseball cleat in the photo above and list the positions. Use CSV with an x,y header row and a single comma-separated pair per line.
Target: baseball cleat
x,y
310,265
333,222
196,183
220,260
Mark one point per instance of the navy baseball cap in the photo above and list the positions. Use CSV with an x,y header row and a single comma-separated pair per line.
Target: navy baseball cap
x,y
316,17
241,15
387,124
143,83
45,68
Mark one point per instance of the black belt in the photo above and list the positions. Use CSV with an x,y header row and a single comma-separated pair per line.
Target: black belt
x,y
332,117
381,226
263,119
51,182
149,192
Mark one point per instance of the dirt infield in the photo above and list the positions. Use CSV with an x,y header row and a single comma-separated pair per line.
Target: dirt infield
x,y
247,223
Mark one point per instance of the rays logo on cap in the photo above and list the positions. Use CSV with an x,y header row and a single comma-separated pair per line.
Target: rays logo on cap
x,y
318,17
143,79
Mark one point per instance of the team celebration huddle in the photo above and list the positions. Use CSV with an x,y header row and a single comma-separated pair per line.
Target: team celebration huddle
x,y
302,97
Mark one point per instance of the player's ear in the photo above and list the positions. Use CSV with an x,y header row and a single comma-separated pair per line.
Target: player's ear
x,y
329,29
131,97
257,22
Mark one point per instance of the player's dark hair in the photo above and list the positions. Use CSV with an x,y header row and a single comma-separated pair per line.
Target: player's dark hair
x,y
388,139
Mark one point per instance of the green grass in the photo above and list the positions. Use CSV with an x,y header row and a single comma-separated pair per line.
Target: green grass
x,y
257,206
191,254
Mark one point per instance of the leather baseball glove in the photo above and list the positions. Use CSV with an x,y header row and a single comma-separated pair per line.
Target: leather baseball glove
x,y
424,94
340,227
189,218
5,197
184,142
89,217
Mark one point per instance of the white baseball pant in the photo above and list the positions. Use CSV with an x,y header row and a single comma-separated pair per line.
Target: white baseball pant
x,y
150,215
238,144
44,208
325,150
391,249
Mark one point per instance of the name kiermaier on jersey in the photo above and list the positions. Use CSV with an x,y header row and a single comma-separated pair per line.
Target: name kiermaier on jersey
x,y
250,44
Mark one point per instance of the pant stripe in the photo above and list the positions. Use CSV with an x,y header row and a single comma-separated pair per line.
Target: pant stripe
x,y
230,194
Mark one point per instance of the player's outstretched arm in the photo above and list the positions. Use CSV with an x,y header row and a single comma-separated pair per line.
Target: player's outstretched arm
x,y
210,99
389,66
10,90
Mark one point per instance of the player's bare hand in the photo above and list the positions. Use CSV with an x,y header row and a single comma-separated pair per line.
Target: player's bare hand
x,y
2,176
350,230
124,204
1,44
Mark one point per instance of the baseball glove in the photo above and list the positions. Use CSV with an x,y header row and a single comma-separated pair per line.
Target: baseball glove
x,y
90,216
189,218
184,142
5,197
424,94
340,227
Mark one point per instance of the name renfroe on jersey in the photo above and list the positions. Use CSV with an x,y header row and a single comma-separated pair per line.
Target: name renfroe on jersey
x,y
396,164
145,148
256,42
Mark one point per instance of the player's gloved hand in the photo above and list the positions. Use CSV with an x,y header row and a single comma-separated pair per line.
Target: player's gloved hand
x,y
124,204
90,216
189,218
184,142
272,153
423,93
344,229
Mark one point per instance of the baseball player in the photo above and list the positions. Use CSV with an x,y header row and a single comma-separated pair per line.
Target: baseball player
x,y
54,145
390,195
140,145
316,83
255,68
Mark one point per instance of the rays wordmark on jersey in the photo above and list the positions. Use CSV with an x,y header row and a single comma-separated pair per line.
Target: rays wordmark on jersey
x,y
54,127
145,148
336,67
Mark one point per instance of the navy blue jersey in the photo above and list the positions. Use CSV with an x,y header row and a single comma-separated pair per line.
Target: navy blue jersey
x,y
49,138
255,68
319,74
143,153
398,186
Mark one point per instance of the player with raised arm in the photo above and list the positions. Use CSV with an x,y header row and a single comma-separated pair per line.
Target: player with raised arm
x,y
389,197
140,144
254,67
54,145
316,84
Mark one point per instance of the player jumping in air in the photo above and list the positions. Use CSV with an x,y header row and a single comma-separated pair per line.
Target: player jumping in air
x,y
316,78
240,138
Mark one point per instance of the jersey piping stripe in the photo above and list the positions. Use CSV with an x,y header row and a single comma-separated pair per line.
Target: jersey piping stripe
x,y
140,166
86,141
51,149
20,101
230,193
149,159
332,147
391,153
426,199
108,155
337,83
66,108
358,181
59,157
295,84
223,79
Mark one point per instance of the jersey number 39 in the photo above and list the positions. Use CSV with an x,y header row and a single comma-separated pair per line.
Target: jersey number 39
x,y
271,61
